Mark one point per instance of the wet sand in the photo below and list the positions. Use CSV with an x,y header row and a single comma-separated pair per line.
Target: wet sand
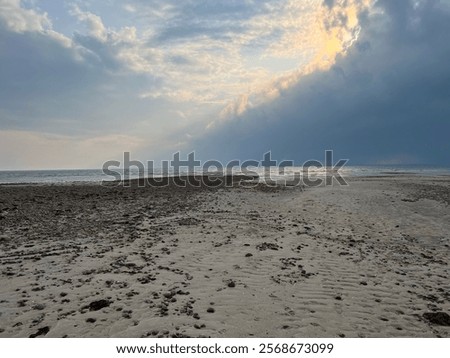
x,y
367,260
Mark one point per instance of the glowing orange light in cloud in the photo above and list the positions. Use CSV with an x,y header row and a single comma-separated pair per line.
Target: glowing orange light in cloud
x,y
331,33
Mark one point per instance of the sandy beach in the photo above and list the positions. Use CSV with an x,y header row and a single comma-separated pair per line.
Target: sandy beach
x,y
366,260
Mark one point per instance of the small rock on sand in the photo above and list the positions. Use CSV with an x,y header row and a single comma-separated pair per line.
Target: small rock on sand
x,y
41,332
98,305
39,307
437,318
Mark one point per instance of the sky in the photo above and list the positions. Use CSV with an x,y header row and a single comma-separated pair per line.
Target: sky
x,y
82,81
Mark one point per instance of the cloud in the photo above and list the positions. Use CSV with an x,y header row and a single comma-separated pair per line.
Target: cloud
x,y
385,101
95,24
172,54
21,20
240,44
35,93
78,86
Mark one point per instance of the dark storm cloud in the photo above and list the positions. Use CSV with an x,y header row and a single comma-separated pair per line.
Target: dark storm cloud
x,y
387,101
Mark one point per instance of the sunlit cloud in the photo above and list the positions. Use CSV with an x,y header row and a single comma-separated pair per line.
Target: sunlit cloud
x,y
329,32
217,60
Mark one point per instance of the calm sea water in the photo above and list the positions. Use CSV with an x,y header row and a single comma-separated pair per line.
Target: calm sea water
x,y
97,175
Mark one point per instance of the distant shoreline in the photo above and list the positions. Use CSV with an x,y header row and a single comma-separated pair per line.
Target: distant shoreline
x,y
95,177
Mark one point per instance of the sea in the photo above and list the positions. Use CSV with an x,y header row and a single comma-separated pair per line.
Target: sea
x,y
68,176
